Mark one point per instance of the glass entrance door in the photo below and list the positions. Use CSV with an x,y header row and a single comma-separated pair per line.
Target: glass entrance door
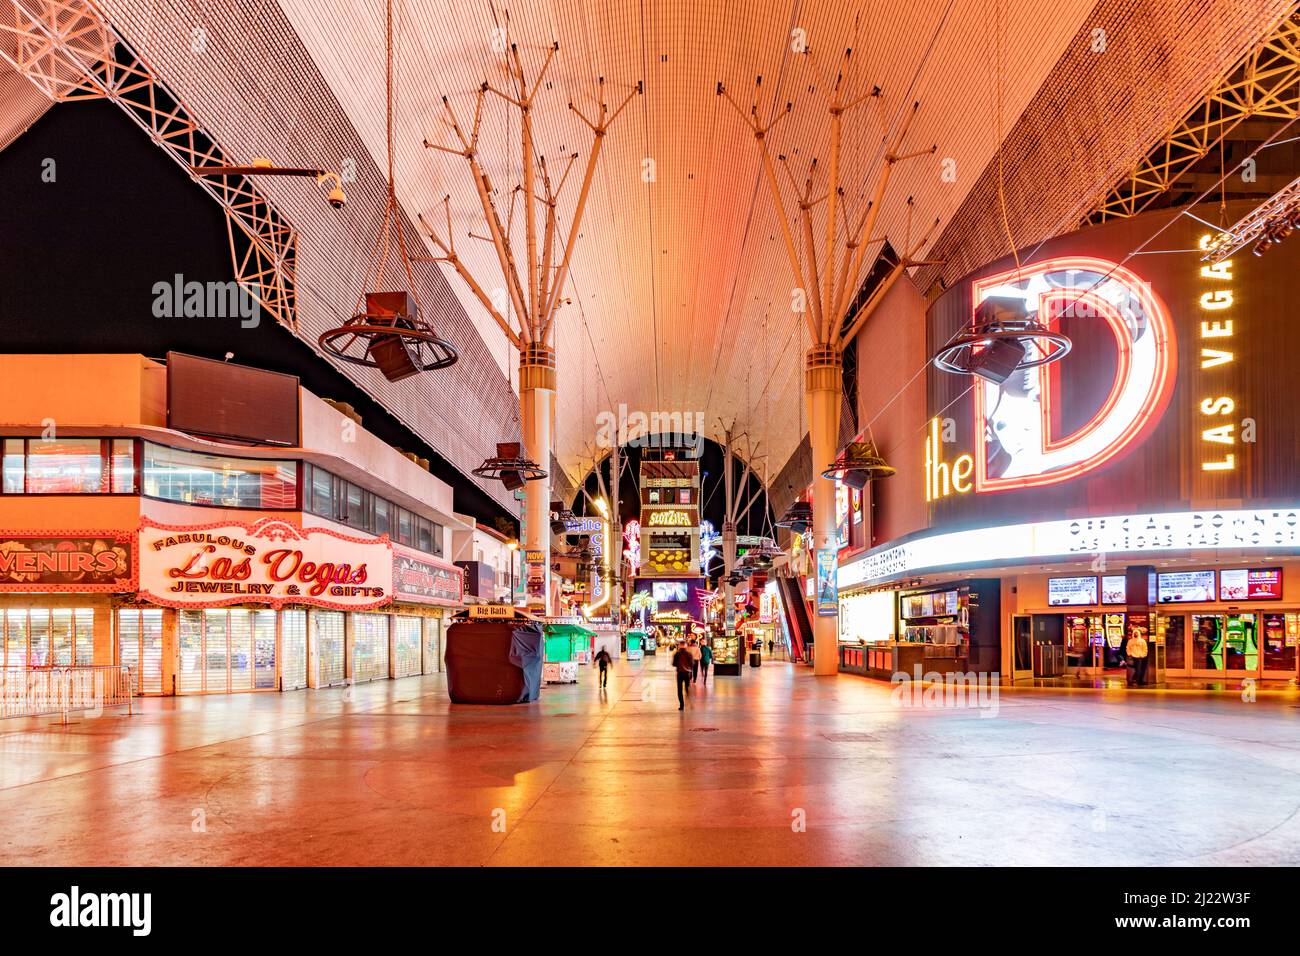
x,y
1278,643
1022,647
1226,645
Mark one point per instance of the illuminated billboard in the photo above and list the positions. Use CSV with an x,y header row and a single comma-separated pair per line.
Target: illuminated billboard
x,y
1167,401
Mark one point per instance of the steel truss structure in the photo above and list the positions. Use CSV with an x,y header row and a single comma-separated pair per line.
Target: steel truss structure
x,y
1265,83
70,51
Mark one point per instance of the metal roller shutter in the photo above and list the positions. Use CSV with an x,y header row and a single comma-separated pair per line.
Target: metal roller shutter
x,y
369,647
328,637
406,646
293,650
139,644
217,650
432,645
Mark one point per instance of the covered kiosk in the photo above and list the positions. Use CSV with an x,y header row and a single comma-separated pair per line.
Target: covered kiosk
x,y
567,645
494,656
635,644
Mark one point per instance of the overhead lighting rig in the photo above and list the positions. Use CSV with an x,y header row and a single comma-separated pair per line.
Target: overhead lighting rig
x,y
1266,225
387,331
797,517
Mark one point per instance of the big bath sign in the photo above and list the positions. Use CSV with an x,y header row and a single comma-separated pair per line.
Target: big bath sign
x,y
269,562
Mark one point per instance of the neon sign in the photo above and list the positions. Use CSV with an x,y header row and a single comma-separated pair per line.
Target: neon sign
x,y
1016,446
941,479
1216,331
670,519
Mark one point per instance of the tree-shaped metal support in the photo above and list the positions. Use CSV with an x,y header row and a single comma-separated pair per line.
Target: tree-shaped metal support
x,y
534,277
827,280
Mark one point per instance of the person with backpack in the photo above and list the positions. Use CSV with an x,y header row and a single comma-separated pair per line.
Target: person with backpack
x,y
706,658
604,661
683,662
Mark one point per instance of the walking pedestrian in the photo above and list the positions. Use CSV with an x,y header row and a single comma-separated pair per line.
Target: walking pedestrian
x,y
682,662
706,658
694,649
604,661
1137,655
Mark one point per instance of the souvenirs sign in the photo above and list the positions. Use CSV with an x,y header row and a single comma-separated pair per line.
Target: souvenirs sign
x,y
82,561
269,562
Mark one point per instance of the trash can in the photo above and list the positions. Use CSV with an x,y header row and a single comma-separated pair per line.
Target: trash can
x,y
755,659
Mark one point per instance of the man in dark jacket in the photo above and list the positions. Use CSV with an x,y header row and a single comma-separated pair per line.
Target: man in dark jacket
x,y
684,663
604,660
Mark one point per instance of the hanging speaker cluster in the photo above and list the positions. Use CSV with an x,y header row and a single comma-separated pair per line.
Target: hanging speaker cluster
x,y
561,515
386,330
797,517
390,336
761,555
858,464
510,467
1004,339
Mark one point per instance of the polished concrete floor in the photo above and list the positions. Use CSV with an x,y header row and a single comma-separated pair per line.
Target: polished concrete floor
x,y
775,767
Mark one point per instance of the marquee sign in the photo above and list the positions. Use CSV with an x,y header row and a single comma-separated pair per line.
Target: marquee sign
x,y
1113,535
671,518
269,562
80,561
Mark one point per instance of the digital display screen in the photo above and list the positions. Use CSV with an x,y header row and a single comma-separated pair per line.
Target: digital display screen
x,y
668,591
1250,584
1065,592
1180,587
1114,589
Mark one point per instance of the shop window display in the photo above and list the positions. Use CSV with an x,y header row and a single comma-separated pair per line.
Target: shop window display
x,y
174,475
68,466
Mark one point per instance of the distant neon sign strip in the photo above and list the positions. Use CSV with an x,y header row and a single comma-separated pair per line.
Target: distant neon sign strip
x,y
1272,528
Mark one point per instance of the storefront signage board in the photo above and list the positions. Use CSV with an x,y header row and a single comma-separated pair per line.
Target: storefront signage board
x,y
69,561
1113,535
269,562
424,582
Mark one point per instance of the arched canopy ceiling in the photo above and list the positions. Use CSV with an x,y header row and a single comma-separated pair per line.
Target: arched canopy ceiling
x,y
681,286
680,258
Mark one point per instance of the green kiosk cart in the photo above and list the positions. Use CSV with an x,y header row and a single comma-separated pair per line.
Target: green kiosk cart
x,y
635,645
564,647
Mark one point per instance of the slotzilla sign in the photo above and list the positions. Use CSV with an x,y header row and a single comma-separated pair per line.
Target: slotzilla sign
x,y
270,562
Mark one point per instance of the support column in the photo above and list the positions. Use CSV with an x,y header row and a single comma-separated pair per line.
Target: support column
x,y
824,386
614,557
536,408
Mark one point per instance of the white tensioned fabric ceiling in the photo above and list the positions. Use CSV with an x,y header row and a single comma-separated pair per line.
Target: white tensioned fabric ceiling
x,y
681,289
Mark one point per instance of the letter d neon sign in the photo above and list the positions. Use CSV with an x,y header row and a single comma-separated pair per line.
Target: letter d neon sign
x,y
1015,419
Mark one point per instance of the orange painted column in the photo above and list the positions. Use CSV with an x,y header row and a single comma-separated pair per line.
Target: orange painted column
x,y
824,387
